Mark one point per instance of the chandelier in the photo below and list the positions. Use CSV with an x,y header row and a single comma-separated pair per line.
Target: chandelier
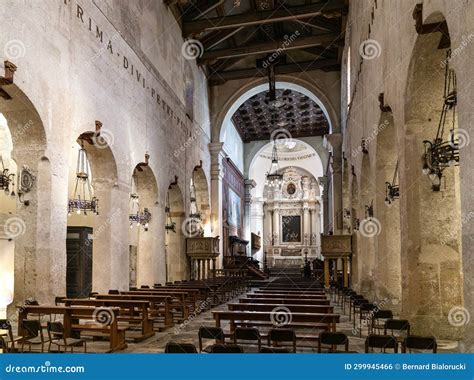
x,y
392,190
439,153
138,217
195,227
169,225
6,180
273,178
83,199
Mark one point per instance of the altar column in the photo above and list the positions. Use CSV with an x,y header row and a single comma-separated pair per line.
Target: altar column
x,y
306,224
249,185
216,192
276,225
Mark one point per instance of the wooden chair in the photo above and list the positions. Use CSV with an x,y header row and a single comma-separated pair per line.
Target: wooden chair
x,y
248,334
214,333
180,348
333,339
381,341
114,291
156,285
366,310
420,343
144,287
378,321
398,328
274,350
226,349
282,335
33,334
93,294
56,337
6,332
3,346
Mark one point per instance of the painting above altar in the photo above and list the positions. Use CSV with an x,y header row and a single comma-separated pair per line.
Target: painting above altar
x,y
291,228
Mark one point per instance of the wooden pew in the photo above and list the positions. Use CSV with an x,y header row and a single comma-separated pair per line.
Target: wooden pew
x,y
284,301
294,308
297,319
71,317
281,295
160,305
179,299
315,292
133,312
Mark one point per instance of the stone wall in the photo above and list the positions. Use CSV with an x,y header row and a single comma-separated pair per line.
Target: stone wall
x,y
417,239
118,62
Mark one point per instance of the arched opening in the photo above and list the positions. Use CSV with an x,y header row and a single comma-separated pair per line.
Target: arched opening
x,y
291,209
201,189
176,260
356,262
94,252
26,196
144,249
387,211
369,228
431,220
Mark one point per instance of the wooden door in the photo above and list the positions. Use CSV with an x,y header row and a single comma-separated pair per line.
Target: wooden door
x,y
79,261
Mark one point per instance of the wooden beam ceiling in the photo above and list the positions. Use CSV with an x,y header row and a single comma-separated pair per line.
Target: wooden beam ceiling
x,y
271,46
220,77
193,28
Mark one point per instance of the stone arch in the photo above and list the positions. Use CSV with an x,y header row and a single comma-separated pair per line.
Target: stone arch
x,y
261,84
387,260
202,198
177,261
110,252
32,241
145,250
367,233
355,219
431,221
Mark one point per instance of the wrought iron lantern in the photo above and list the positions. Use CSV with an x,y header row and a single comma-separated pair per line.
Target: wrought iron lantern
x,y
440,153
83,199
136,216
7,180
392,189
169,225
273,178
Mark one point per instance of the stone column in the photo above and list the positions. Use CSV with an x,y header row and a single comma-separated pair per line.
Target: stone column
x,y
249,185
324,182
334,144
276,225
110,264
257,221
306,224
216,194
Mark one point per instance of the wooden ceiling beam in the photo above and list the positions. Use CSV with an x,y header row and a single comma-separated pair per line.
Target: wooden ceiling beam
x,y
319,64
271,46
193,13
265,17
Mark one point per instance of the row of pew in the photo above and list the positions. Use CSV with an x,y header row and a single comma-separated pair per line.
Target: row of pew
x,y
116,316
